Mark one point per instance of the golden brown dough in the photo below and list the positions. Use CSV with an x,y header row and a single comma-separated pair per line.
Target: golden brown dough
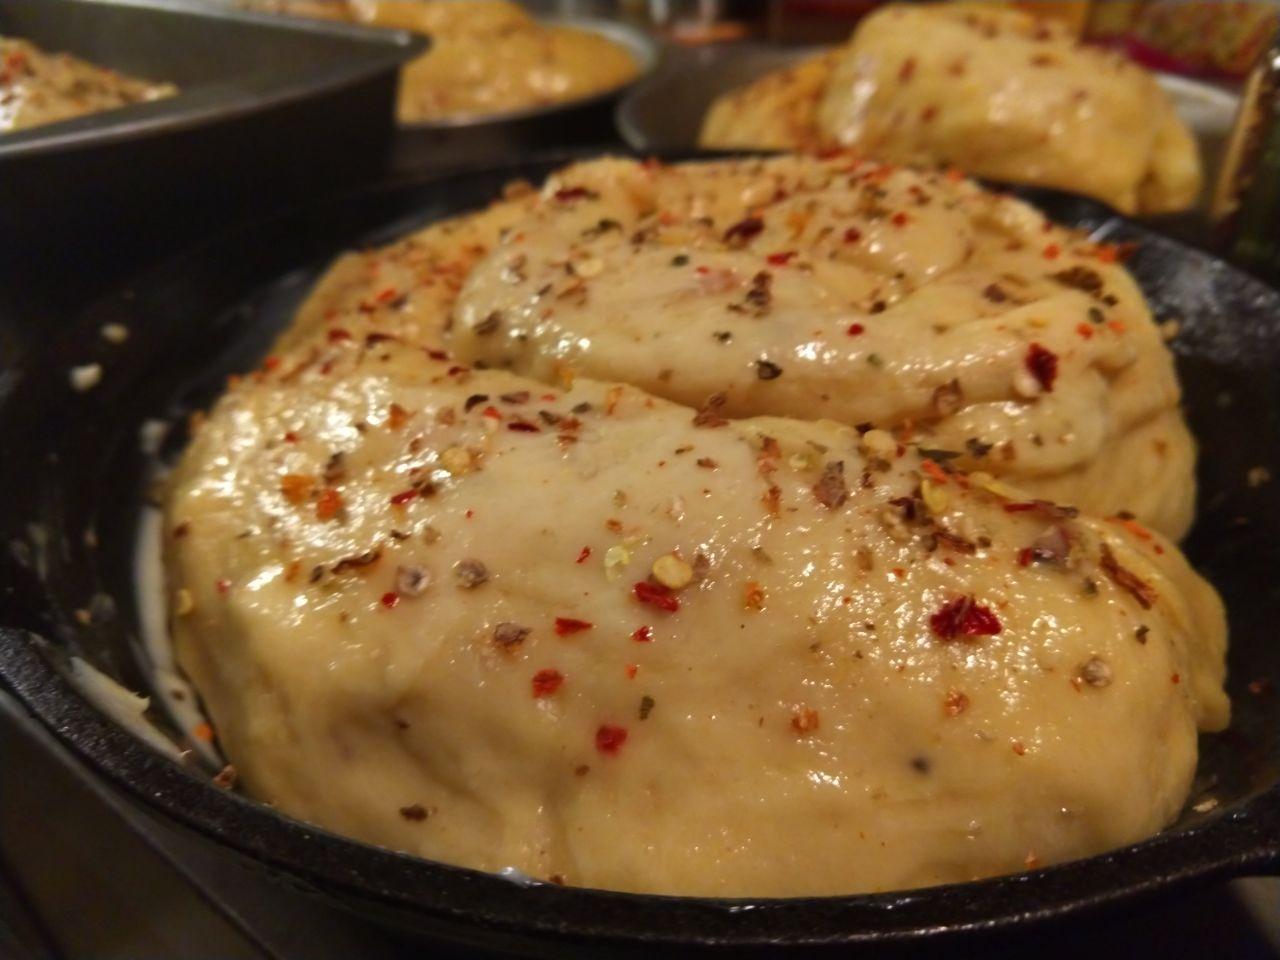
x,y
996,92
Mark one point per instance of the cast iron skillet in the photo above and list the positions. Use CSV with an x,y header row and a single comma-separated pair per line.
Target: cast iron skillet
x,y
71,461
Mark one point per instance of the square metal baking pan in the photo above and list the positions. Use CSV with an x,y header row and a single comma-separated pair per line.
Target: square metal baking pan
x,y
270,110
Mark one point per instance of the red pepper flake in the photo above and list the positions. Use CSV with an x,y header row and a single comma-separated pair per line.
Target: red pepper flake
x,y
568,194
1043,365
1019,748
1025,557
856,330
1052,251
546,682
271,363
852,235
290,437
907,70
742,232
583,554
390,599
1133,526
403,497
1116,326
780,259
329,504
396,416
630,670
1138,588
753,596
963,617
656,595
337,335
643,635
955,703
493,413
568,625
934,472
900,219
223,586
1085,330
1176,678
610,738
203,732
805,720
522,426
387,295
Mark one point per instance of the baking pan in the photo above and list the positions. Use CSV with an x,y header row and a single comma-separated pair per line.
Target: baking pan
x,y
73,463
496,138
268,112
664,113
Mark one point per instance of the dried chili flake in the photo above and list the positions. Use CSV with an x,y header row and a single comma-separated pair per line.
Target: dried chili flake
x,y
523,426
474,401
708,414
657,596
964,617
565,626
831,489
900,219
329,505
223,587
1052,251
569,194
546,682
403,497
1140,590
508,635
1042,364
852,235
415,812
470,573
907,70
642,634
390,599
955,703
583,554
610,738
357,562
934,472
855,329
805,720
767,370
1079,278
780,259
742,232
753,596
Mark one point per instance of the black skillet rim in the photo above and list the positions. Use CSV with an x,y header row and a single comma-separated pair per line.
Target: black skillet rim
x,y
1242,840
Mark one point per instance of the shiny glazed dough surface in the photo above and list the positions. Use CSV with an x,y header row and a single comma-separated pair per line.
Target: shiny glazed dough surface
x,y
574,627
993,91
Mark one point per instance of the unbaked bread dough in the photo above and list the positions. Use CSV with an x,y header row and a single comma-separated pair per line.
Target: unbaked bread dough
x,y
994,91
553,621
